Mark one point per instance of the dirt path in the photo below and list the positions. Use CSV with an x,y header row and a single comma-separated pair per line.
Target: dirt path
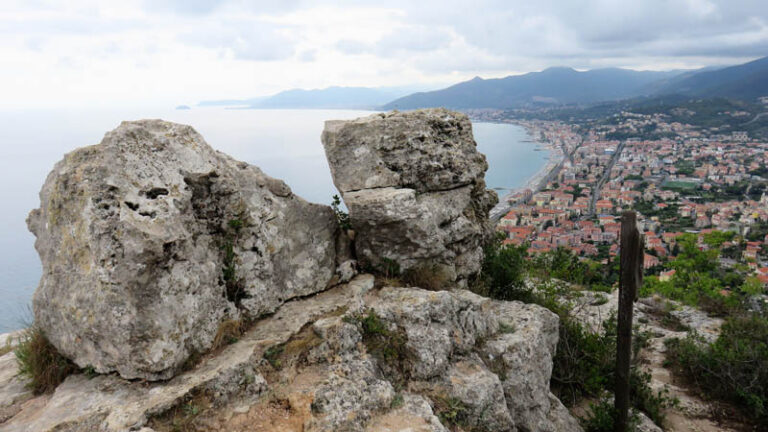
x,y
692,413
655,316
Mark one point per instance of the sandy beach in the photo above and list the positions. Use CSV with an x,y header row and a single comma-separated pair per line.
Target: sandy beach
x,y
554,159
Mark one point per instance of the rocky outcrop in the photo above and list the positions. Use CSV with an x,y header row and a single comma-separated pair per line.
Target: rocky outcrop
x,y
151,239
315,366
414,186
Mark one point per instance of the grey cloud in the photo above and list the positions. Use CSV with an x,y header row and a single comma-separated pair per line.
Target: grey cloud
x,y
205,7
404,40
186,7
413,38
251,40
555,30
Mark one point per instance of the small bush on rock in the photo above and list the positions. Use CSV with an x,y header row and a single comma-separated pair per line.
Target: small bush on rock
x,y
380,341
602,415
733,368
40,362
452,412
503,273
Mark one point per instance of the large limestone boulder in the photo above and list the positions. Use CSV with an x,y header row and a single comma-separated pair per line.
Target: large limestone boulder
x,y
151,239
414,186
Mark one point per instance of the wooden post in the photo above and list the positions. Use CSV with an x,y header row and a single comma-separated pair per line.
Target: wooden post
x,y
630,279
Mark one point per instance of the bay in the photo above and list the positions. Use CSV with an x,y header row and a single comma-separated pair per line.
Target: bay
x,y
283,143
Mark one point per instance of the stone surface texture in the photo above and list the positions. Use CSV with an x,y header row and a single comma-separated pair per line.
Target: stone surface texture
x,y
414,185
308,368
151,239
136,235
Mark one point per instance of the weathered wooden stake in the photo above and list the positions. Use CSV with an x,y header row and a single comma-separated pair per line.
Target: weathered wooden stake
x,y
630,279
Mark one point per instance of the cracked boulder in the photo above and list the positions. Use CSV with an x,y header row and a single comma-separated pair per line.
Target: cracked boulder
x,y
151,239
414,186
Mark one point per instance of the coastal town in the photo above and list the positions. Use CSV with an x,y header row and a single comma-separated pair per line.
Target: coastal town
x,y
682,179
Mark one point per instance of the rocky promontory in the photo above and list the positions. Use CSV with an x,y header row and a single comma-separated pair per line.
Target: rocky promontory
x,y
154,245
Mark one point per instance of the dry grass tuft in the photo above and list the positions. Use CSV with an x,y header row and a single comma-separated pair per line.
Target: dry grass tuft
x,y
5,349
229,332
432,277
184,416
40,362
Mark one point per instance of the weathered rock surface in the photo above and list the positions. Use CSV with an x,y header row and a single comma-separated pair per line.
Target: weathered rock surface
x,y
414,185
151,239
309,368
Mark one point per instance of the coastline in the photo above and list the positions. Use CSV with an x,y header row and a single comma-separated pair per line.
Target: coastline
x,y
555,158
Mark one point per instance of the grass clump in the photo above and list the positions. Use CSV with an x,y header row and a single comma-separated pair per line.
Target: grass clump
x,y
506,328
183,417
433,277
381,341
40,363
294,351
234,285
397,401
272,355
451,411
229,332
733,368
6,349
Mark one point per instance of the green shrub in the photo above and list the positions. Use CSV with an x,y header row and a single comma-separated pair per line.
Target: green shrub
x,y
600,416
733,368
40,362
503,273
585,361
563,264
699,278
653,403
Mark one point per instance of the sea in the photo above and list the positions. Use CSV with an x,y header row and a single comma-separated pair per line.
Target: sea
x,y
283,143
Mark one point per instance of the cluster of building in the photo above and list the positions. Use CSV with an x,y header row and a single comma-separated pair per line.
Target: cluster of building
x,y
689,181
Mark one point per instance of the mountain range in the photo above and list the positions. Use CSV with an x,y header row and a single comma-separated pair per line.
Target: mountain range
x,y
327,98
568,86
555,86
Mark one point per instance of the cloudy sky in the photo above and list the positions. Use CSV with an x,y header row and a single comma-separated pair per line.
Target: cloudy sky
x,y
134,52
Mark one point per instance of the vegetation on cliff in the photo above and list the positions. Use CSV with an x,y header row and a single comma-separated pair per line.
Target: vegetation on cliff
x,y
584,364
